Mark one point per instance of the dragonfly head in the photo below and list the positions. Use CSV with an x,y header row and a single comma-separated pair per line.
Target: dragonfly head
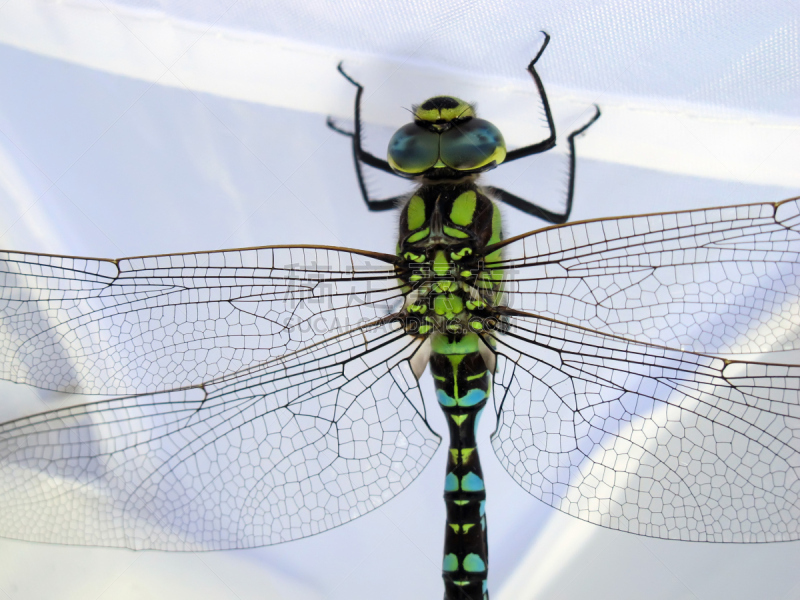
x,y
445,141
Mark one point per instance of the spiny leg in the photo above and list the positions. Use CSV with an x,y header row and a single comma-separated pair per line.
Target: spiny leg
x,y
526,205
537,211
550,142
360,155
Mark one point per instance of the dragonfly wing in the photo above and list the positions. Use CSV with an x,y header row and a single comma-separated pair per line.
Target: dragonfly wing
x,y
721,280
140,325
277,452
646,439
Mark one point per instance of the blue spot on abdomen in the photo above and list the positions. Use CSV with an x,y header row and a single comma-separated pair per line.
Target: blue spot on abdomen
x,y
444,399
474,563
471,483
473,397
450,563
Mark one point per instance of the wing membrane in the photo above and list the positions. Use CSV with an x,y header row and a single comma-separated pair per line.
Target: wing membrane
x,y
156,323
722,280
649,440
277,452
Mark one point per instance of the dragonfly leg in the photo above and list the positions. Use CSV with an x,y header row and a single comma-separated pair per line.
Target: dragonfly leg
x,y
536,210
362,156
526,205
550,141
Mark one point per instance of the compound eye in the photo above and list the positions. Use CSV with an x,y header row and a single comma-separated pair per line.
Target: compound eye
x,y
413,149
472,144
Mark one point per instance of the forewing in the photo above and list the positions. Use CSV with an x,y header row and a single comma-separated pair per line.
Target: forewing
x,y
275,453
721,280
646,439
140,325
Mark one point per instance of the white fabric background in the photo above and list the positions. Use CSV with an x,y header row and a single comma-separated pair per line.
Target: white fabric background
x,y
151,127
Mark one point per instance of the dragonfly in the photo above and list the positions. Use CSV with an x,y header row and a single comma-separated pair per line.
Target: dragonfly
x,y
268,394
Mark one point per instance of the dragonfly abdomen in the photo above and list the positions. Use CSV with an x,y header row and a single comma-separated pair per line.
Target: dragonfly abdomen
x,y
452,298
462,379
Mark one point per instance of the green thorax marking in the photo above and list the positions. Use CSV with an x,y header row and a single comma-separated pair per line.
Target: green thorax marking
x,y
464,208
497,234
441,266
419,236
416,212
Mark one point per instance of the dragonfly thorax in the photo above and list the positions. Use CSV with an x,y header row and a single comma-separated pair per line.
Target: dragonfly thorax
x,y
445,231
